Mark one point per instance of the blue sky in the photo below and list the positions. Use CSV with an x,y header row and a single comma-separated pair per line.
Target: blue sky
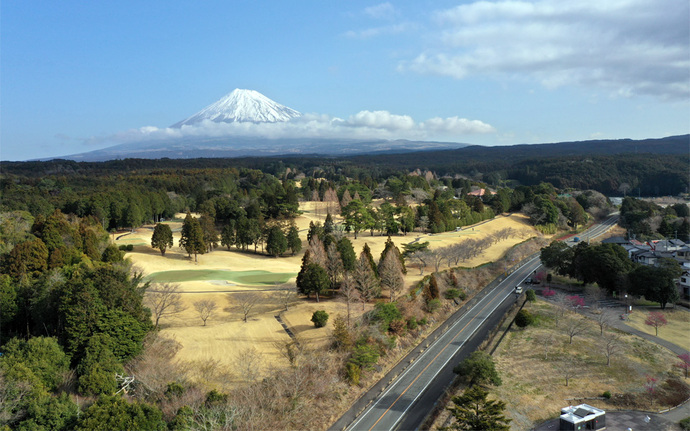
x,y
77,76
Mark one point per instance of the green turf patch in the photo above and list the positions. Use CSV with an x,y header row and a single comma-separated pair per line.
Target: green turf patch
x,y
257,277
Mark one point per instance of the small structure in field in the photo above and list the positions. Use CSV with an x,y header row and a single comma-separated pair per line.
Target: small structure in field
x,y
582,417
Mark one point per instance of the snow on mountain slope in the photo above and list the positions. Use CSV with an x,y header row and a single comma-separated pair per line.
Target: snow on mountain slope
x,y
242,106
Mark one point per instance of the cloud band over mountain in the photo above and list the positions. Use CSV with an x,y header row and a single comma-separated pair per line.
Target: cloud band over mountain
x,y
363,125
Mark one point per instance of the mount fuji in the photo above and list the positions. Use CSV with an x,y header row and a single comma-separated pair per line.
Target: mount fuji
x,y
242,106
220,131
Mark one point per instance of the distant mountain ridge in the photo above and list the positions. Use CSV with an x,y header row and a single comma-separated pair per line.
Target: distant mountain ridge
x,y
242,106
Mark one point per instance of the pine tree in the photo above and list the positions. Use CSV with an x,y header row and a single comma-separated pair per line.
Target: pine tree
x,y
293,240
162,238
472,411
192,238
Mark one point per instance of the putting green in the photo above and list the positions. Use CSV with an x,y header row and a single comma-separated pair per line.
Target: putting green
x,y
240,277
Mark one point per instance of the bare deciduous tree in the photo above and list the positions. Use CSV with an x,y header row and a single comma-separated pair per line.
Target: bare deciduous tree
x,y
244,302
205,308
422,258
350,293
605,318
574,327
546,343
611,347
287,295
164,300
248,363
568,369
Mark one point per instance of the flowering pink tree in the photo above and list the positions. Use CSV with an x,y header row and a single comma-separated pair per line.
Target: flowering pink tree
x,y
684,363
650,387
548,292
656,319
576,301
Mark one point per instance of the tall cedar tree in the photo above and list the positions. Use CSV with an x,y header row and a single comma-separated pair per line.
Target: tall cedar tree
x,y
432,291
334,264
192,237
293,241
367,253
391,274
162,238
472,411
347,253
390,245
276,243
208,227
365,279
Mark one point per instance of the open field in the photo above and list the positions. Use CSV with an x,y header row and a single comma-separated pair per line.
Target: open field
x,y
534,388
221,274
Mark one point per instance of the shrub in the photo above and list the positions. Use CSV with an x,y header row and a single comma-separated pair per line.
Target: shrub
x,y
412,323
384,313
320,317
452,293
397,326
685,424
174,389
353,373
365,356
531,296
607,395
524,318
548,292
423,321
478,368
455,293
433,305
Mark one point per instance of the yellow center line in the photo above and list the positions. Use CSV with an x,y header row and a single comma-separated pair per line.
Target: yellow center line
x,y
428,365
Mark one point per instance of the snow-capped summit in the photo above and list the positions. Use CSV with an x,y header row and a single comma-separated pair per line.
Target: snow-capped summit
x,y
242,106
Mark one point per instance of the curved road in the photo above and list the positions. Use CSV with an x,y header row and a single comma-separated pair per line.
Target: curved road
x,y
415,389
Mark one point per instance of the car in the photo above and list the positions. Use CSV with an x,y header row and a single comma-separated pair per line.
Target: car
x,y
532,281
518,289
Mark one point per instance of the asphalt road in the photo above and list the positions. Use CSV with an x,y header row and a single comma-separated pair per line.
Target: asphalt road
x,y
418,382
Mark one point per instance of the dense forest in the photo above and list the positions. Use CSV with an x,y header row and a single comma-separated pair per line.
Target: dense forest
x,y
73,317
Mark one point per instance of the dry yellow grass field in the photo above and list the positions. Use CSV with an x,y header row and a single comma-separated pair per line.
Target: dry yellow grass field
x,y
534,388
226,334
677,331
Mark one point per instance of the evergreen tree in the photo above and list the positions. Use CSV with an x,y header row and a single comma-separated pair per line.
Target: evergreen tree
x,y
312,279
210,234
293,241
391,274
390,246
276,243
192,237
472,411
162,238
228,237
347,253
366,251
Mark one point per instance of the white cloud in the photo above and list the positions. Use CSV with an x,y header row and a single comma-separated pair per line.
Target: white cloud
x,y
381,120
381,11
629,47
362,125
380,31
455,126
